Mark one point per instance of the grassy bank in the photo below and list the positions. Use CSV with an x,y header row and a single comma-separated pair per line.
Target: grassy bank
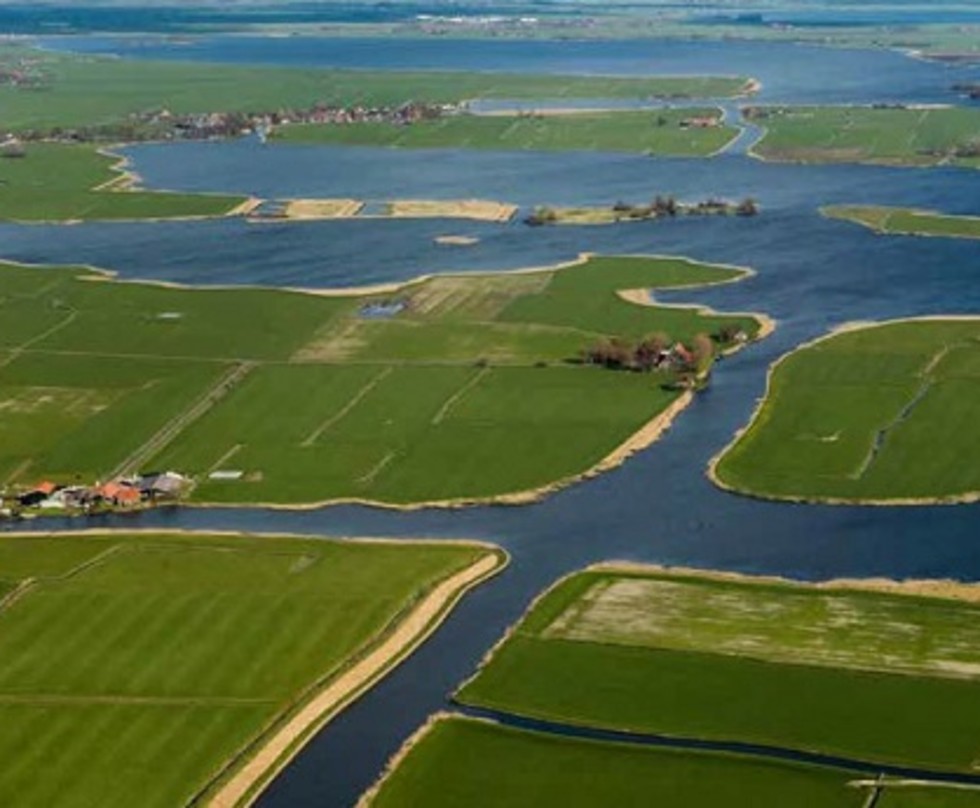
x,y
882,413
469,389
86,90
653,132
60,182
460,761
906,221
740,660
924,796
889,136
123,651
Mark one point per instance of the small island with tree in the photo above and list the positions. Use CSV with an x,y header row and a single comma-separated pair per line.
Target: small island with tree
x,y
662,207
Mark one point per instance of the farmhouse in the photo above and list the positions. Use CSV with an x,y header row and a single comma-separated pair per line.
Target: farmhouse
x,y
700,122
120,494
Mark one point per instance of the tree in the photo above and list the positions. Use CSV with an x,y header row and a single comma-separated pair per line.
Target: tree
x,y
702,353
648,350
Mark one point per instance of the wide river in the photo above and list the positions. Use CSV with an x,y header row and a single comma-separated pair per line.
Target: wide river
x,y
813,274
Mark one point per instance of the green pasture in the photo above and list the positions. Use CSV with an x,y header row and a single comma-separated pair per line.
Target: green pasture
x,y
924,796
905,221
881,413
404,434
462,761
58,182
126,651
91,90
584,297
698,660
75,418
74,310
473,390
914,137
653,132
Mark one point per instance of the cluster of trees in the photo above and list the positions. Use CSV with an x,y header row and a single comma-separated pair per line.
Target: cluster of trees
x,y
660,207
653,352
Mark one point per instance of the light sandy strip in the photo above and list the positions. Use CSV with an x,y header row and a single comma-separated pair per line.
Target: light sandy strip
x,y
244,786
315,435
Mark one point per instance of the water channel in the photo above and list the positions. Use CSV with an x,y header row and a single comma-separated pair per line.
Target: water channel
x,y
812,274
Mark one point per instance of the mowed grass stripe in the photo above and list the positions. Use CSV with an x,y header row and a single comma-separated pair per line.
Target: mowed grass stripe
x,y
111,755
461,761
136,667
183,635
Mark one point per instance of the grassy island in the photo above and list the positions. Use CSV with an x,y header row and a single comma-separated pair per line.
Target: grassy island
x,y
664,132
68,90
902,135
906,221
447,388
164,669
754,660
882,413
61,183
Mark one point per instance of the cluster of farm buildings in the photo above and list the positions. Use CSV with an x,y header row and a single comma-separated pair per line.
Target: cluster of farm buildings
x,y
120,494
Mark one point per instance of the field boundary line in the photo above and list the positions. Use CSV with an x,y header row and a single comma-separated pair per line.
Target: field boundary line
x,y
24,346
166,434
450,402
878,442
22,588
246,782
20,469
377,469
225,458
315,435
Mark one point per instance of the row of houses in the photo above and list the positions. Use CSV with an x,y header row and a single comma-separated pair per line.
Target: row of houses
x,y
119,494
163,124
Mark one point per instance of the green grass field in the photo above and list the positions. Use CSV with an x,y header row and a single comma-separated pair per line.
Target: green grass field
x,y
881,413
462,761
654,132
905,221
917,796
469,392
913,137
133,668
57,182
86,90
764,663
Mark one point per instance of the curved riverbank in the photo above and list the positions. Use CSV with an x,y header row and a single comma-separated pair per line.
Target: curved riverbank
x,y
713,474
245,784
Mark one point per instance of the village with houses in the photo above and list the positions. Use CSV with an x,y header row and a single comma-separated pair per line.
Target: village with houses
x,y
132,493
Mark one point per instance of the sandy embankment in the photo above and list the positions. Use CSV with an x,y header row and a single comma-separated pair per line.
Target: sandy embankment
x,y
934,588
322,208
480,209
644,297
244,786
